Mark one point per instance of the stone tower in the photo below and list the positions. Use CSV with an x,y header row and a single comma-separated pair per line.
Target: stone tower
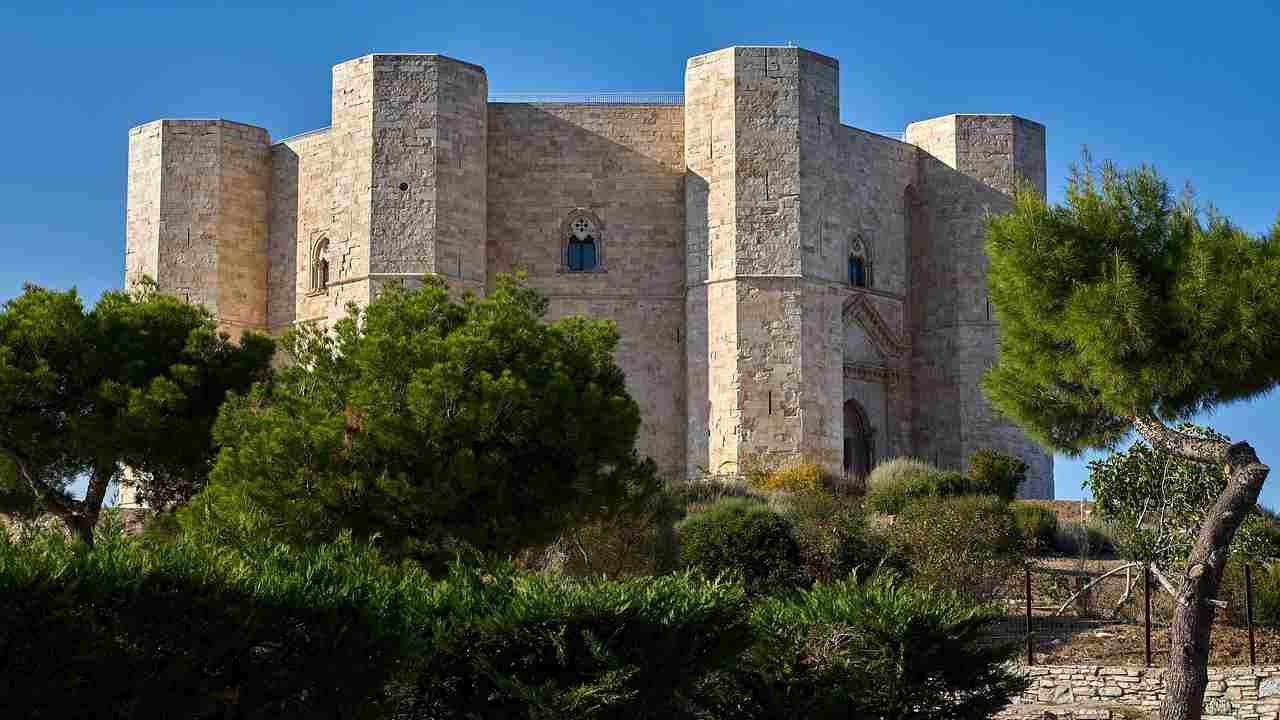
x,y
197,211
971,166
758,145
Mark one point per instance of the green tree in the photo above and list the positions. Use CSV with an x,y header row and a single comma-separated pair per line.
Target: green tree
x,y
426,422
1155,503
1119,310
135,382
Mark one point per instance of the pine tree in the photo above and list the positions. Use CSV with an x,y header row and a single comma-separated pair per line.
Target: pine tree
x,y
1122,309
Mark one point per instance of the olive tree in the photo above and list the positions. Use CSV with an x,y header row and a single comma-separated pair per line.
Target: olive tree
x,y
1123,310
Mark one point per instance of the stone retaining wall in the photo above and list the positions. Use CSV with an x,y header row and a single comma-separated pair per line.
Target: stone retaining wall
x,y
1092,692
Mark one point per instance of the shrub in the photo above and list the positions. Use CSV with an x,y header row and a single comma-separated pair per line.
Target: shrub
x,y
879,649
625,543
179,629
1038,526
970,545
1093,538
992,472
745,538
1266,595
801,478
833,537
893,484
172,631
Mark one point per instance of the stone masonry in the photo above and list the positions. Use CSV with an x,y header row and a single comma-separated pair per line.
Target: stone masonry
x,y
1090,692
725,232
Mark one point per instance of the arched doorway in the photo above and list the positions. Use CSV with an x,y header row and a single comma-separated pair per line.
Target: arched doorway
x,y
859,448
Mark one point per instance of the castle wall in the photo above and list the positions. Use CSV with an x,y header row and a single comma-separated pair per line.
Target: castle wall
x,y
624,165
301,211
956,336
198,216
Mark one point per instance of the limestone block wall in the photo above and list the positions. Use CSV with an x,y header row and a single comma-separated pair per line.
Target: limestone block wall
x,y
302,209
429,169
197,215
971,166
622,168
1116,692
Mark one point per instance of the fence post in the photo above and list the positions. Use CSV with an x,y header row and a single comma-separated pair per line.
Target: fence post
x,y
1146,599
1248,609
1031,659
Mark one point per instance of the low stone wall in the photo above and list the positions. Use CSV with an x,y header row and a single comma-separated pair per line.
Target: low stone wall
x,y
1093,692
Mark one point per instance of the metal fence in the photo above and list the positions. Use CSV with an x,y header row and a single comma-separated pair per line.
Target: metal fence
x,y
1109,612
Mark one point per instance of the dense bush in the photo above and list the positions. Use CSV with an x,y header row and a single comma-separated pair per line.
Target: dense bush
x,y
191,631
626,543
834,538
970,545
1266,595
1038,526
185,631
1092,538
802,478
992,472
881,649
746,538
895,483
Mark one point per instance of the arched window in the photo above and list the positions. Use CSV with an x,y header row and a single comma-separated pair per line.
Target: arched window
x,y
582,242
859,264
320,265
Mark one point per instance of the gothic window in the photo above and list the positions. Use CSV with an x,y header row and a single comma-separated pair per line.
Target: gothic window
x,y
859,264
581,247
320,265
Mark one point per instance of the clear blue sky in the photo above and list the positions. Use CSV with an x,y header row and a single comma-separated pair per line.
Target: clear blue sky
x,y
1188,87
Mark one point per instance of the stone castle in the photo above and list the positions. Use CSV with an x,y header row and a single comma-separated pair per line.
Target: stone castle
x,y
782,283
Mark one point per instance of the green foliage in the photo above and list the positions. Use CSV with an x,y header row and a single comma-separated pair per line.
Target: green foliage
x,y
136,381
627,543
1266,595
992,472
833,537
1092,538
743,538
1038,527
970,545
185,629
429,423
181,630
893,484
880,649
1120,302
1156,501
804,477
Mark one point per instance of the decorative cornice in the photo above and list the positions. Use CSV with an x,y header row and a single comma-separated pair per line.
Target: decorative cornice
x,y
876,373
859,309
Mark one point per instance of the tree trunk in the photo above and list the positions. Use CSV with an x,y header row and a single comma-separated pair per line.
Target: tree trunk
x,y
1187,674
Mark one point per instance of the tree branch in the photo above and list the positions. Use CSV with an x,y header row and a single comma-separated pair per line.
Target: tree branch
x,y
1096,580
1189,447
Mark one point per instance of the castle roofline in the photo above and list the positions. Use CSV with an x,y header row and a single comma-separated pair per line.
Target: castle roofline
x,y
1009,115
222,121
827,59
412,54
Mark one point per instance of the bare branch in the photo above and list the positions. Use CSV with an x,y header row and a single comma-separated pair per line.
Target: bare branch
x,y
1096,580
1189,447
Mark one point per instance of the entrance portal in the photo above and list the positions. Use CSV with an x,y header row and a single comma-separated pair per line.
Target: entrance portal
x,y
859,450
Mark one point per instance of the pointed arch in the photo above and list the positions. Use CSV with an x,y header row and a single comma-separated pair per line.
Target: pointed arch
x,y
861,267
859,441
582,239
320,268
